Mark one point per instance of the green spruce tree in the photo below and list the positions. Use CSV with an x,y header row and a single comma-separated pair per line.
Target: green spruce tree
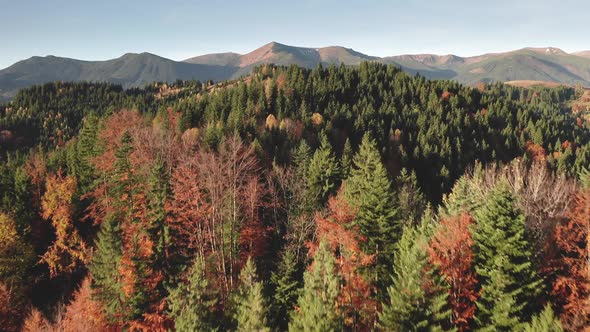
x,y
417,298
544,322
316,306
191,304
410,200
105,263
323,174
346,160
251,313
286,284
369,190
503,261
86,148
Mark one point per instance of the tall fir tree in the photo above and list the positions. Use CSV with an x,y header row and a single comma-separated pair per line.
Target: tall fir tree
x,y
316,307
346,160
106,261
409,198
503,261
368,189
191,304
546,321
149,255
286,284
251,313
323,174
86,148
301,156
417,298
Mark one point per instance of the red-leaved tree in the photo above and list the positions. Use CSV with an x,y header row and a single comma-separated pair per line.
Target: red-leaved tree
x,y
344,239
569,270
83,314
451,252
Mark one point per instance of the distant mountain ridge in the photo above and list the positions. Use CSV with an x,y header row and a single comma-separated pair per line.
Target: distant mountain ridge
x,y
132,70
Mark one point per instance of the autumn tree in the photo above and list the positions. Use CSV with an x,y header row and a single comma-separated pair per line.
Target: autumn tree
x,y
343,237
188,213
568,270
451,252
16,256
83,314
68,250
10,311
232,188
36,322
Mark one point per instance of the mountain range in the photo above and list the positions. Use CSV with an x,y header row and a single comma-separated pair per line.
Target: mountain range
x,y
131,70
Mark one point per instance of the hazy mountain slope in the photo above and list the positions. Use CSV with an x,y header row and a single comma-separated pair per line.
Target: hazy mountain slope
x,y
281,54
129,70
216,59
552,65
538,64
585,54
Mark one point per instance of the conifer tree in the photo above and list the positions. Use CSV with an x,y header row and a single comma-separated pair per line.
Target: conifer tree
x,y
316,307
286,284
368,189
323,174
417,298
346,160
503,262
106,261
251,307
544,322
301,157
104,268
409,198
191,304
86,149
150,238
497,307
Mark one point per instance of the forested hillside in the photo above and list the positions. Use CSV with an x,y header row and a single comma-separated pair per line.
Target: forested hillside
x,y
333,199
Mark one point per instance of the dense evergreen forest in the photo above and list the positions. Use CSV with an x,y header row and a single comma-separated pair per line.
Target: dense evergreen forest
x,y
333,199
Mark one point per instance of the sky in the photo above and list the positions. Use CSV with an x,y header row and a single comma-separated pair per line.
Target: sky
x,y
180,29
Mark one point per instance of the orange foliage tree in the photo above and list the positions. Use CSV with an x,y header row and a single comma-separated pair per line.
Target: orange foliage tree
x,y
68,249
10,314
344,240
569,270
215,208
451,252
83,314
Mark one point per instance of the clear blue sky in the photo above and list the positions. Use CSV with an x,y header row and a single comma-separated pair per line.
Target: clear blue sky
x,y
178,29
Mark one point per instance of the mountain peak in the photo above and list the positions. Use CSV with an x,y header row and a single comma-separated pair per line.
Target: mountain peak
x,y
547,50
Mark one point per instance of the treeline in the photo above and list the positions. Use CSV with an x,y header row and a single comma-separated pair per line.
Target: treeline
x,y
330,199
